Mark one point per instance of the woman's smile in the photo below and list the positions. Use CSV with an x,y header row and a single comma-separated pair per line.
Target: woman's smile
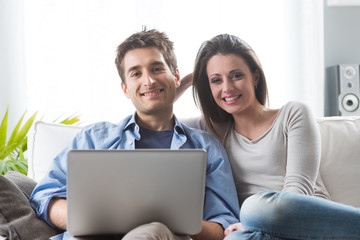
x,y
231,99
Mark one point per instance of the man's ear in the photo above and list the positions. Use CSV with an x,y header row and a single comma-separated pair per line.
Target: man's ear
x,y
124,88
177,78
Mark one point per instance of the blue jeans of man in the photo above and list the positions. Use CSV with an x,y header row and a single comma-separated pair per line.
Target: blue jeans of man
x,y
279,215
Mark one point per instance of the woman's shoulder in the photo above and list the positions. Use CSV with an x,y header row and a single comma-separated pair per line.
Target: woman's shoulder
x,y
295,111
296,106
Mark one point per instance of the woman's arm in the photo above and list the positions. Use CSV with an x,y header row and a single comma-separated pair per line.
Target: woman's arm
x,y
303,150
185,83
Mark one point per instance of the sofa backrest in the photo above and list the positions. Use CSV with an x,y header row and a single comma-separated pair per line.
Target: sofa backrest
x,y
340,157
45,141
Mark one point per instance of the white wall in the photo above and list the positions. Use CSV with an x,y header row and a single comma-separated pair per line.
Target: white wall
x,y
70,49
13,91
342,34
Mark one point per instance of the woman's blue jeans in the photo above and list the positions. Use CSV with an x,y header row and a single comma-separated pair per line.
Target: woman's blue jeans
x,y
279,215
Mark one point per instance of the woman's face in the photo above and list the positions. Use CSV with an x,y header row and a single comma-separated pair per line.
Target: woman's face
x,y
231,82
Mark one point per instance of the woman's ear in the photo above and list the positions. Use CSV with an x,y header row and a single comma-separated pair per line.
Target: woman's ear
x,y
256,77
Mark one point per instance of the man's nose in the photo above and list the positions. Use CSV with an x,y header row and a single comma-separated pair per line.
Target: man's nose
x,y
148,80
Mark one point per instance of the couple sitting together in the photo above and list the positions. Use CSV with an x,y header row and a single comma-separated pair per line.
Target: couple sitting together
x,y
262,178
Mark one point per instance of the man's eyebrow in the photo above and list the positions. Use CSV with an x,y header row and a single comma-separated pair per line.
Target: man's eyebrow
x,y
157,63
132,69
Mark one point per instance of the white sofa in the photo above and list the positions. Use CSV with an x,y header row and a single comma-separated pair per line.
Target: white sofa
x,y
340,158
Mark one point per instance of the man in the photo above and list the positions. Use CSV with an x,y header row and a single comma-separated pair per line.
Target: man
x,y
148,69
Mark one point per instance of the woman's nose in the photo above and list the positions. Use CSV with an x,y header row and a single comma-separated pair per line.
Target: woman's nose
x,y
228,85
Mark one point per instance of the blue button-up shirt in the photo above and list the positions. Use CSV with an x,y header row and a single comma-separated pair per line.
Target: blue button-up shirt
x,y
221,202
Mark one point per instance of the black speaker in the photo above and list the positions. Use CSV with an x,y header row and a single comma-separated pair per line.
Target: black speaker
x,y
342,90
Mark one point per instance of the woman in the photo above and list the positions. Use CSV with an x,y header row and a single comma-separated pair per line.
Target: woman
x,y
274,153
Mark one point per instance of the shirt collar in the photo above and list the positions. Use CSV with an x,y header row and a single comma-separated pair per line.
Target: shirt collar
x,y
132,125
178,128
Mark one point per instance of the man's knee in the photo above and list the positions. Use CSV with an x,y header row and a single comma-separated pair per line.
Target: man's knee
x,y
150,231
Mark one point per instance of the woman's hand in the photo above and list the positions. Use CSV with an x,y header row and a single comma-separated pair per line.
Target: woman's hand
x,y
232,228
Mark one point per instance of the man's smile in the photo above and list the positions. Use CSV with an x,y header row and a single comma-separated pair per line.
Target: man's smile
x,y
154,92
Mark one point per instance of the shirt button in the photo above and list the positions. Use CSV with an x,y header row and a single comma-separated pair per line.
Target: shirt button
x,y
130,142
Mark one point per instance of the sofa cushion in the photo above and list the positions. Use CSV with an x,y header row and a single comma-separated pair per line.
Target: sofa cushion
x,y
340,158
18,220
45,141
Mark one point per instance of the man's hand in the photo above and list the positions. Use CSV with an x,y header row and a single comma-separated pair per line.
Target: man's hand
x,y
57,212
232,228
210,231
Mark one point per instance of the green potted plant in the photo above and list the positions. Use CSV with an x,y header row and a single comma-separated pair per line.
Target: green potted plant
x,y
12,149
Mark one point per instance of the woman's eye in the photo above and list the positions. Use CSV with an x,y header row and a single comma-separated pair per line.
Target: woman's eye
x,y
215,80
238,75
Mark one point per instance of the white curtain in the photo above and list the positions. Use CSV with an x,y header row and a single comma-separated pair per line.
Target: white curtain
x,y
70,49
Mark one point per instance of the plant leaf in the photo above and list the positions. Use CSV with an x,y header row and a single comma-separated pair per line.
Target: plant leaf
x,y
18,138
71,120
12,151
24,146
2,165
15,131
21,163
3,129
14,163
21,136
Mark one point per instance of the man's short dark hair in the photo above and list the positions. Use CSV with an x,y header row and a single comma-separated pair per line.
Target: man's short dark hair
x,y
145,39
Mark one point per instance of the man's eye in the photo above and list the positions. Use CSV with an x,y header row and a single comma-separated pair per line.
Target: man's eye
x,y
158,69
135,74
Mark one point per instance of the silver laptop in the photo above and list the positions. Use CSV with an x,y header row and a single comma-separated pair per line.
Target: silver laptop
x,y
114,191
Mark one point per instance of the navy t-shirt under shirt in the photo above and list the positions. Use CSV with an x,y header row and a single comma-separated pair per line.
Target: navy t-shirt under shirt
x,y
154,139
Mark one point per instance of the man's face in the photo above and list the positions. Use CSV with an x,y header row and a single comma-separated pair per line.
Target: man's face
x,y
150,84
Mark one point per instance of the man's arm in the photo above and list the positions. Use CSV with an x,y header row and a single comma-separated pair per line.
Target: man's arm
x,y
57,212
210,231
221,205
